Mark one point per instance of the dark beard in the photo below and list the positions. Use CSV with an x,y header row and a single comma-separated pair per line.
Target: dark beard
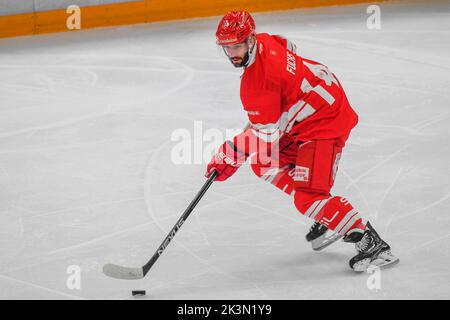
x,y
243,63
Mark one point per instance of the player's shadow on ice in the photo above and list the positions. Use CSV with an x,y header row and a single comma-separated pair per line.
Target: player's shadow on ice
x,y
240,281
324,264
299,269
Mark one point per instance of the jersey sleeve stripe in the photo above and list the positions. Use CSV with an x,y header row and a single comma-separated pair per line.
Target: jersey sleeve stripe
x,y
304,113
324,94
267,136
321,91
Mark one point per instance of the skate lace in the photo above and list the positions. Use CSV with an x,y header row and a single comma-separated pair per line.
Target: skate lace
x,y
314,227
362,245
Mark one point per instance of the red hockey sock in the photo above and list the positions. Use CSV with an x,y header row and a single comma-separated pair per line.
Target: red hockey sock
x,y
339,215
336,213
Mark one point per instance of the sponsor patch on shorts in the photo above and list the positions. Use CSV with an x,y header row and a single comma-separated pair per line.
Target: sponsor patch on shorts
x,y
301,174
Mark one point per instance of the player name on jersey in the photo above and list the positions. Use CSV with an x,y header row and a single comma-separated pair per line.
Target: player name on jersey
x,y
290,67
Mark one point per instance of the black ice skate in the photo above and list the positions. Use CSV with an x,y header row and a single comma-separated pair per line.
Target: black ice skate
x,y
319,238
372,250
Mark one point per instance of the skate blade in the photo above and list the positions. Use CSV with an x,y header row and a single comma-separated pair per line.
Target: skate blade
x,y
376,264
323,241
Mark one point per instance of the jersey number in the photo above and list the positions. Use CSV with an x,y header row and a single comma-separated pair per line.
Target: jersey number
x,y
322,72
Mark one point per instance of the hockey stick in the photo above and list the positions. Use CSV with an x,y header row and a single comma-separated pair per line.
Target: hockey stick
x,y
126,273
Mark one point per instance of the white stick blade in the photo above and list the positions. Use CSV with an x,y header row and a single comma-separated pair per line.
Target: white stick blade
x,y
119,272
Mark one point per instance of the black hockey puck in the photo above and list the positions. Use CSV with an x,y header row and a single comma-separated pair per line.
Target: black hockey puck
x,y
138,292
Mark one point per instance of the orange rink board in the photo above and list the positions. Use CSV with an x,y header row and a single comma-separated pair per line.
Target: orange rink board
x,y
145,11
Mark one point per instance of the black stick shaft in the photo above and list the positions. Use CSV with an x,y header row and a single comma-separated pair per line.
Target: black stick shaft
x,y
179,223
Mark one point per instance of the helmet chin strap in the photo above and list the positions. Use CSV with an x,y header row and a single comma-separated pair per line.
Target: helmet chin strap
x,y
246,59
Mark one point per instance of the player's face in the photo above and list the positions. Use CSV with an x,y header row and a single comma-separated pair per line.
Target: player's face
x,y
236,53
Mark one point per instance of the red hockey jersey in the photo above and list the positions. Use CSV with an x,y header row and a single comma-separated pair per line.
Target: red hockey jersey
x,y
285,94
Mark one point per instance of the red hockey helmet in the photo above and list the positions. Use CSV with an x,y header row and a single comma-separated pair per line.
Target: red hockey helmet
x,y
234,28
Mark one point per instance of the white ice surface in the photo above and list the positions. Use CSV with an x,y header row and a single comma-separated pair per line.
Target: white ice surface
x,y
86,176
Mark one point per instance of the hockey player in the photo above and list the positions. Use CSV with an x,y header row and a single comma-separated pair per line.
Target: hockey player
x,y
300,119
